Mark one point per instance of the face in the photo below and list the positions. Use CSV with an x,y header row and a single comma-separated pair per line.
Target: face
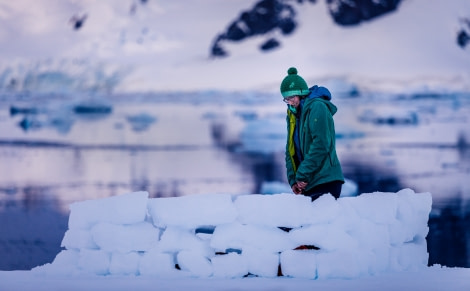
x,y
293,101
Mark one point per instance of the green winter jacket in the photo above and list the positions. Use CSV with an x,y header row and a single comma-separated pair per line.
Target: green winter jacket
x,y
320,163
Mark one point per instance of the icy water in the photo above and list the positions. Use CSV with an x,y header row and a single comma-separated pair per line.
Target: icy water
x,y
58,150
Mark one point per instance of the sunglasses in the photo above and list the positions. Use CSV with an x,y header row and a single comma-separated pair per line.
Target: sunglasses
x,y
287,99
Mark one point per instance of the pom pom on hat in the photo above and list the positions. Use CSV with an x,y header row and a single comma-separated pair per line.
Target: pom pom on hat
x,y
293,84
292,71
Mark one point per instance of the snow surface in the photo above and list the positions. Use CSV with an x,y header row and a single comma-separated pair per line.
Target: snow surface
x,y
132,242
111,236
164,46
433,278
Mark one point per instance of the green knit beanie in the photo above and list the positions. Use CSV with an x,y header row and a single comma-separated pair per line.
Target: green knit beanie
x,y
293,84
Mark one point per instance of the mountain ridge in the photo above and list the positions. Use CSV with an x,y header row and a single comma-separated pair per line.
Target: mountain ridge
x,y
268,15
148,46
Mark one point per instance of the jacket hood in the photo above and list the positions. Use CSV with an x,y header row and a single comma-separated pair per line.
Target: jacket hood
x,y
318,91
321,94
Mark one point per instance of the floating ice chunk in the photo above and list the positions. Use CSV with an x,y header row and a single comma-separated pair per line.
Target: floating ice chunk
x,y
123,209
140,122
299,263
124,264
275,187
389,116
195,263
285,210
125,238
349,188
192,211
231,265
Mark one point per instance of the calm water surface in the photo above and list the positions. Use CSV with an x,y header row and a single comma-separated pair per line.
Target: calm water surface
x,y
52,155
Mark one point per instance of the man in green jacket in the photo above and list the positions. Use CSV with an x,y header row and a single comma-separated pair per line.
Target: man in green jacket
x,y
313,167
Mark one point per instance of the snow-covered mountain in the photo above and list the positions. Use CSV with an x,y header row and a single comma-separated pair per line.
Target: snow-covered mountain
x,y
131,45
266,16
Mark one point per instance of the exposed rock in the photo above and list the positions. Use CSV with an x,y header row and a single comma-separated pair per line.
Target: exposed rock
x,y
351,12
265,17
270,16
270,44
77,21
463,35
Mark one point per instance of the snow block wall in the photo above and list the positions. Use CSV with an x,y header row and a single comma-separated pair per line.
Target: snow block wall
x,y
219,235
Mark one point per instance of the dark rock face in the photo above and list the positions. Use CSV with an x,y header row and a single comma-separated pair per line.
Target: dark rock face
x,y
77,21
463,35
265,17
270,44
352,12
269,16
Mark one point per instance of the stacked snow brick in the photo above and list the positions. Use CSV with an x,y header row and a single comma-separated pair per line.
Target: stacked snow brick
x,y
219,235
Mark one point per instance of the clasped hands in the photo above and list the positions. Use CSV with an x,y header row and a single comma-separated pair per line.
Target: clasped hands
x,y
299,187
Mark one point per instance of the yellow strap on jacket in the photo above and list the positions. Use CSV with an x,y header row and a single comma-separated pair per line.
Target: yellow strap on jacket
x,y
291,146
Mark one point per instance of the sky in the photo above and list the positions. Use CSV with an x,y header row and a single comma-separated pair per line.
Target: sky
x,y
164,46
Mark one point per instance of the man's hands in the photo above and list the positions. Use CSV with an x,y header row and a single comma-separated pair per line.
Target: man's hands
x,y
299,187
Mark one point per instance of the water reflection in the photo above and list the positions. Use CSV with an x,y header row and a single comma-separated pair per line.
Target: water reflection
x,y
32,227
197,146
449,234
371,178
265,168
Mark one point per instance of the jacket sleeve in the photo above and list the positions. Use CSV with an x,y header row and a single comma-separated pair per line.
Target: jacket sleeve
x,y
317,127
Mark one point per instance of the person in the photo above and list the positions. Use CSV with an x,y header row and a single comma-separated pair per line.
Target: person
x,y
313,167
